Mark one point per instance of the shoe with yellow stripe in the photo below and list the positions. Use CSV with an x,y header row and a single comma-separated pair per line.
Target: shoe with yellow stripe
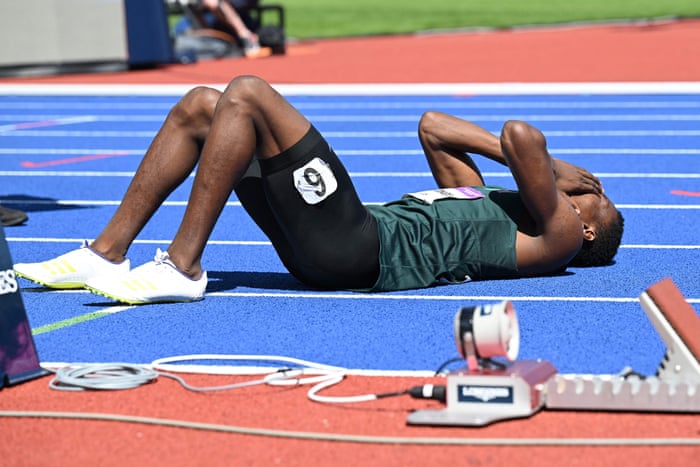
x,y
71,270
157,281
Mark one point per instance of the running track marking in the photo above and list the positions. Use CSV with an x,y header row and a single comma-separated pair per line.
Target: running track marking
x,y
381,296
58,325
268,243
685,193
369,152
73,160
79,319
388,134
163,107
46,123
23,128
238,204
394,89
130,174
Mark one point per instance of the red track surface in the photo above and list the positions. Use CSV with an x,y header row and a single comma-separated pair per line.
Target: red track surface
x,y
635,53
80,442
664,51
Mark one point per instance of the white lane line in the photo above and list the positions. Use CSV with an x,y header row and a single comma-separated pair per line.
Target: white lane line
x,y
75,202
376,103
421,174
382,296
370,152
366,89
360,296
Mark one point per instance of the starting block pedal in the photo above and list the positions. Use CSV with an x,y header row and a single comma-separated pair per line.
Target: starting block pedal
x,y
676,385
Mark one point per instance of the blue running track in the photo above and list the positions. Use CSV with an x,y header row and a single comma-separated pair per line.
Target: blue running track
x,y
67,159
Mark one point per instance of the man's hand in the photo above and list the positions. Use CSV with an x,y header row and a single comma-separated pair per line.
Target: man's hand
x,y
574,180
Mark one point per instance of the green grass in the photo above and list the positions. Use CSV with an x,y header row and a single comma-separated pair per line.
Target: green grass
x,y
338,18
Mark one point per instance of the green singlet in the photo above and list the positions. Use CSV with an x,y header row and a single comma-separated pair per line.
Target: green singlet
x,y
424,243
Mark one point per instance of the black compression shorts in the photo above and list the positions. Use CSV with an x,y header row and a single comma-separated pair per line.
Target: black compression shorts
x,y
304,201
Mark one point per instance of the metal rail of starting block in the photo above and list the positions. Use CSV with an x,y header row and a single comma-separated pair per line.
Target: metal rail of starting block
x,y
479,396
676,385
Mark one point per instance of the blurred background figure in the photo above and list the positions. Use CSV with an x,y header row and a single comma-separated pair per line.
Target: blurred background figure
x,y
225,11
224,16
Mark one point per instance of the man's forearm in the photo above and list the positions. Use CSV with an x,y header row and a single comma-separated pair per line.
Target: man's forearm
x,y
461,136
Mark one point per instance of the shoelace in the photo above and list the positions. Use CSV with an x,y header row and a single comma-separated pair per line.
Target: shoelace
x,y
162,257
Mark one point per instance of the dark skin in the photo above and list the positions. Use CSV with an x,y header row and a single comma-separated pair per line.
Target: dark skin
x,y
565,203
221,132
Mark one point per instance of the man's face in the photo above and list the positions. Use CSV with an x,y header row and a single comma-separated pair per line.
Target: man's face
x,y
595,210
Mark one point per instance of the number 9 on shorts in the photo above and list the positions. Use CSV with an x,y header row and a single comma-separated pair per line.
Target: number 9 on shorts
x,y
315,181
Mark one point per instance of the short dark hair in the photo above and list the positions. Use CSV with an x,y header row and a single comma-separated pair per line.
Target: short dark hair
x,y
602,250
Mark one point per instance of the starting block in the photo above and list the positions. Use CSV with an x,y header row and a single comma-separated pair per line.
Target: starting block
x,y
480,395
676,385
18,357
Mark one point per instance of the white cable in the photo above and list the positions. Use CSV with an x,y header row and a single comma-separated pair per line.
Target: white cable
x,y
117,376
322,376
266,380
312,393
108,376
163,363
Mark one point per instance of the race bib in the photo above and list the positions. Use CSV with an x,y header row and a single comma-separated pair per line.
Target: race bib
x,y
463,192
315,181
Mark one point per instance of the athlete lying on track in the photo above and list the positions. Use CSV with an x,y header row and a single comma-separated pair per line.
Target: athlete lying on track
x,y
248,138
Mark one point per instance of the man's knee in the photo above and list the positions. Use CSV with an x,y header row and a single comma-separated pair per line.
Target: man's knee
x,y
196,108
245,90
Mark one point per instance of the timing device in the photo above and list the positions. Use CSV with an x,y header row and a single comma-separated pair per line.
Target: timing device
x,y
490,389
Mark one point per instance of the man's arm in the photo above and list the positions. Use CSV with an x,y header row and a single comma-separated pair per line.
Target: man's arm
x,y
447,142
557,232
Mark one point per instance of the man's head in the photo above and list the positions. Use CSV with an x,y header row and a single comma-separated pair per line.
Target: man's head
x,y
603,225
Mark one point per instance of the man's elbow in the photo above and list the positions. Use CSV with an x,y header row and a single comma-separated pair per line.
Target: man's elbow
x,y
428,126
517,134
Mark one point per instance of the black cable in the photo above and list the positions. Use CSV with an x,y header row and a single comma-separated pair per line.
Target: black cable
x,y
628,372
493,363
429,391
442,367
393,394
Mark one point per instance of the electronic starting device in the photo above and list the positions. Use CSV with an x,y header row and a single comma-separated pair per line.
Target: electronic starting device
x,y
496,386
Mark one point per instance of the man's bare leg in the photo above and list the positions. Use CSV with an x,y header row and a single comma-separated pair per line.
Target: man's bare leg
x,y
221,131
250,118
169,160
